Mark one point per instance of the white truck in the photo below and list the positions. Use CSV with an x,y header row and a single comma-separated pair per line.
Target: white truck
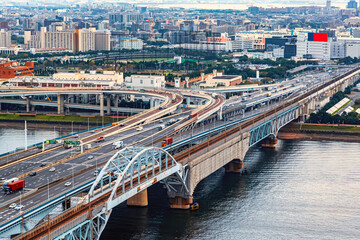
x,y
118,145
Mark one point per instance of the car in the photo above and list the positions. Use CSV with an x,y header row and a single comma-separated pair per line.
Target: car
x,y
139,128
2,180
122,124
67,184
32,174
161,121
92,131
100,139
52,169
90,157
19,207
43,165
76,136
13,205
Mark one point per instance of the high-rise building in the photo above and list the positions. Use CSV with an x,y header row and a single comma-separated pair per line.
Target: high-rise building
x,y
328,4
85,39
352,4
102,40
5,38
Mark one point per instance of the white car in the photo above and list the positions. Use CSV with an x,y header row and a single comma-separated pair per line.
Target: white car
x,y
139,128
19,207
13,205
67,184
90,157
52,169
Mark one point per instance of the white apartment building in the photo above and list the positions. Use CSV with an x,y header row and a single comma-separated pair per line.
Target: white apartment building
x,y
5,38
131,43
86,39
145,81
242,43
76,40
113,76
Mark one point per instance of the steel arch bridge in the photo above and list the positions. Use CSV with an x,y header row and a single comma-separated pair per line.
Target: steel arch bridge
x,y
128,172
271,127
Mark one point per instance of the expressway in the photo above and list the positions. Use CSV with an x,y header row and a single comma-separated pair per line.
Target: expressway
x,y
80,168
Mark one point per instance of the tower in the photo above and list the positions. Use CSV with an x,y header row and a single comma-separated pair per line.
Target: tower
x,y
328,5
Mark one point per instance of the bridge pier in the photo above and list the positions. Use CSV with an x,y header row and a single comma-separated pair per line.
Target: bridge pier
x,y
101,104
28,104
269,142
234,166
108,104
139,200
116,101
60,103
180,202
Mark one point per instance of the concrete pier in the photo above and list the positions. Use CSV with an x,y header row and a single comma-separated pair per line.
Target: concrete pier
x,y
269,143
180,203
101,104
108,104
234,166
139,200
60,103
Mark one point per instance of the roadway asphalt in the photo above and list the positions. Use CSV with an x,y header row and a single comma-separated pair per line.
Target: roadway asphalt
x,y
79,163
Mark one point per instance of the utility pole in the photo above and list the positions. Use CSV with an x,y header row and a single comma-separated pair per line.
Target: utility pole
x,y
26,144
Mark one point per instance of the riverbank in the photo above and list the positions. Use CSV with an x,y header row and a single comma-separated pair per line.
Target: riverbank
x,y
33,125
318,132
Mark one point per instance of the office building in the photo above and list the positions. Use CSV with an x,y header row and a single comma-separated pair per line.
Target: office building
x,y
5,38
145,81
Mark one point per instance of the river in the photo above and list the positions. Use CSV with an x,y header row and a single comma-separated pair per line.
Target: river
x,y
12,138
300,190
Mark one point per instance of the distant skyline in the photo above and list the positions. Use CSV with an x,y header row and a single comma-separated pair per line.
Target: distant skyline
x,y
194,3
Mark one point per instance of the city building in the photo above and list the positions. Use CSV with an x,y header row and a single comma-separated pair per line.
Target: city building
x,y
145,81
13,69
219,80
131,43
116,78
313,45
102,40
5,38
76,40
352,4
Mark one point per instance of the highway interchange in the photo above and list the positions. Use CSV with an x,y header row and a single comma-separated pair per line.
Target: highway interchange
x,y
68,171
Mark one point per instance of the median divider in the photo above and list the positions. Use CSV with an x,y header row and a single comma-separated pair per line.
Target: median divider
x,y
59,162
27,157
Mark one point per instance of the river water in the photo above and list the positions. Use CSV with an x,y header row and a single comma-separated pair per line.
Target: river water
x,y
12,138
300,190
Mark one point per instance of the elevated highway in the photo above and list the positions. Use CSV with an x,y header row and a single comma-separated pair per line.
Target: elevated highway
x,y
181,166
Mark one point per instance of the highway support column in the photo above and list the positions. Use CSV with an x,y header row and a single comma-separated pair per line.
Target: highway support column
x,y
234,166
60,103
269,142
139,200
27,104
101,104
180,202
108,104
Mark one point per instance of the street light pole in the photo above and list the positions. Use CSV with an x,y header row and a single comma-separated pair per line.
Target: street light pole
x,y
25,136
72,127
48,189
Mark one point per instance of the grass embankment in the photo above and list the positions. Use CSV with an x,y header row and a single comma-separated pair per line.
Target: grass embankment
x,y
50,118
327,128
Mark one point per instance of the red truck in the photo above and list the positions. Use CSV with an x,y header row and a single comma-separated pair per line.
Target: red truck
x,y
166,141
194,115
11,187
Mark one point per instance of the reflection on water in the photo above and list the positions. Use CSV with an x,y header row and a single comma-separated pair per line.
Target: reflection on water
x,y
11,138
300,190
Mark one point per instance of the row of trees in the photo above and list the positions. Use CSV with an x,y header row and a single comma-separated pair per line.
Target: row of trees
x,y
346,118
